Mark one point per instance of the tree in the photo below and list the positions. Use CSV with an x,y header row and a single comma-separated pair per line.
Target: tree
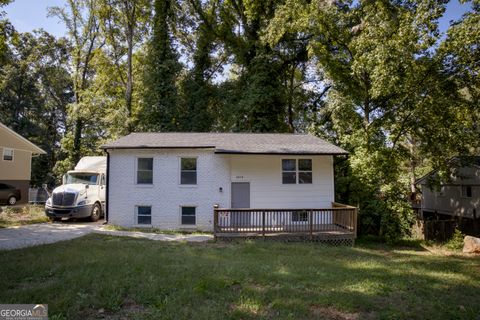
x,y
35,90
124,25
159,111
376,55
83,28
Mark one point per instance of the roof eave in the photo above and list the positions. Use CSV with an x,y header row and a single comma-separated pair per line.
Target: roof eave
x,y
300,153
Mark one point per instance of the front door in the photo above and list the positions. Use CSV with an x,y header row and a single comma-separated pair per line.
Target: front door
x,y
240,199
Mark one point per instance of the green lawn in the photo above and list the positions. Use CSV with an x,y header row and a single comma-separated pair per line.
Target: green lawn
x,y
118,278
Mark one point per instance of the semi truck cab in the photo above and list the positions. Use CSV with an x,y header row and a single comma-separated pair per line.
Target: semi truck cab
x,y
82,193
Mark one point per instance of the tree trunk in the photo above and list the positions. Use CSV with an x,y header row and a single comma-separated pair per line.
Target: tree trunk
x,y
77,140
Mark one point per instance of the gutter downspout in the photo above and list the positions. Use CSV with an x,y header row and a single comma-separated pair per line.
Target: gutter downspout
x,y
107,188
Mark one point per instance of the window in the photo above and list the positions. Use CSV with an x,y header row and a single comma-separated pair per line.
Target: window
x,y
467,191
299,216
188,215
188,174
304,170
145,171
144,215
290,172
7,154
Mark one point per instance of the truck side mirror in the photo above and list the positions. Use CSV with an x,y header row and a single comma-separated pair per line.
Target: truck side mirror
x,y
64,179
87,186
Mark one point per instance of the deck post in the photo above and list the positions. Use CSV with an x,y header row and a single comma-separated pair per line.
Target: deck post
x,y
263,224
355,217
215,221
310,220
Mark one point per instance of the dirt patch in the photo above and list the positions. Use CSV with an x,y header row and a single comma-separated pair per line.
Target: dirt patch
x,y
128,310
332,313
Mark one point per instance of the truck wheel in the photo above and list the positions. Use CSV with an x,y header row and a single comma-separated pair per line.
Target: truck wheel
x,y
12,200
96,212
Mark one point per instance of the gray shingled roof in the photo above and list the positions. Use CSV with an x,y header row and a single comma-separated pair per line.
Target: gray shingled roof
x,y
260,143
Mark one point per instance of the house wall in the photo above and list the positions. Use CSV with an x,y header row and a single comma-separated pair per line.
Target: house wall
x,y
264,172
452,202
214,171
19,168
166,195
17,172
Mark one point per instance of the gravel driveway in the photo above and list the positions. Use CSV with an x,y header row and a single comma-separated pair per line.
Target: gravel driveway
x,y
42,233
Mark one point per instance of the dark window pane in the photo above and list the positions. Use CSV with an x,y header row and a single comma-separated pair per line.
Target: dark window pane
x,y
145,163
145,211
299,216
289,177
305,177
467,191
189,164
3,186
188,211
188,177
144,177
288,165
144,220
188,215
305,164
188,219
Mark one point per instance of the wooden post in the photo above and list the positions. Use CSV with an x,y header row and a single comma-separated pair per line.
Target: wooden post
x,y
263,224
355,217
215,221
310,220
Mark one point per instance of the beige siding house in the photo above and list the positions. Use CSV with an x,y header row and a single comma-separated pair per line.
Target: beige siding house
x,y
16,158
459,197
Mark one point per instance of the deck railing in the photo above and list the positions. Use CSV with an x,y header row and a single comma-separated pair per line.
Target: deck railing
x,y
339,219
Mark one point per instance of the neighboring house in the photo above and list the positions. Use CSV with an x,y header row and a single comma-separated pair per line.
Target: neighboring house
x,y
16,160
458,197
173,180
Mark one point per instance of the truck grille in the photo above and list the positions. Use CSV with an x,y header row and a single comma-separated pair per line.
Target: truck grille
x,y
63,199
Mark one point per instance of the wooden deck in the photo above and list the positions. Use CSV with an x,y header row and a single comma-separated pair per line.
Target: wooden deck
x,y
338,223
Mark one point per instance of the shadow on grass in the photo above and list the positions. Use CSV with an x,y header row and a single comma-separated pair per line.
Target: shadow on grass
x,y
98,275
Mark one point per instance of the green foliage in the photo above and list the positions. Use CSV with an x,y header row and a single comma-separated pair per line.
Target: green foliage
x,y
159,112
456,242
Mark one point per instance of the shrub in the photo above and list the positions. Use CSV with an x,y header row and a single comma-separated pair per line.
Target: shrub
x,y
456,242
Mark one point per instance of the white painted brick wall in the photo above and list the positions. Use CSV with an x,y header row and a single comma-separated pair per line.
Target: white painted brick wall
x,y
166,195
214,171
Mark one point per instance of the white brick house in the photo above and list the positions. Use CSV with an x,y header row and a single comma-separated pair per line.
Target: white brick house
x,y
173,180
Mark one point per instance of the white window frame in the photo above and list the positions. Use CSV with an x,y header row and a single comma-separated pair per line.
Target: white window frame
x,y
180,172
137,215
300,171
4,153
196,216
297,171
136,171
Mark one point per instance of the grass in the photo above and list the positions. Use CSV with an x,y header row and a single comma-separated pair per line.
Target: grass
x,y
154,230
17,216
100,276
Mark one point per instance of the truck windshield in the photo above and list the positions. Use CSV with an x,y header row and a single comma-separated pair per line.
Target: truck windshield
x,y
84,178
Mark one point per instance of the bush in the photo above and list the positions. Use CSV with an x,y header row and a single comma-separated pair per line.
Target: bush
x,y
456,242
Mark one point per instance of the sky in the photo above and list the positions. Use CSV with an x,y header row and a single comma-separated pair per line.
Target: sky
x,y
27,15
